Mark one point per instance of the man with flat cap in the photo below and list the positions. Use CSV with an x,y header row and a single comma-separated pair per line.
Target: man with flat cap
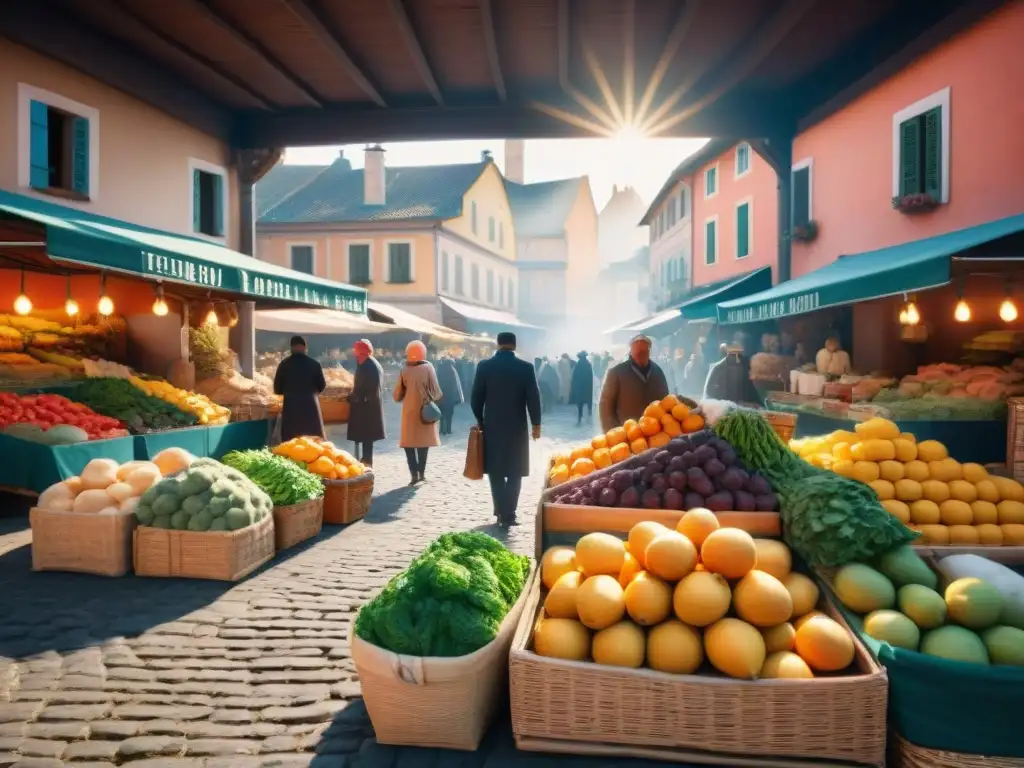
x,y
505,395
300,380
632,385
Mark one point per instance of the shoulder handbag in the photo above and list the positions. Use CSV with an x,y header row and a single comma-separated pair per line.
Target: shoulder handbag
x,y
429,412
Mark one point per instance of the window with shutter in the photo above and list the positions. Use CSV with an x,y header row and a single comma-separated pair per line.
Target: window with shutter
x,y
208,203
910,156
359,264
710,181
920,161
39,146
490,229
501,234
710,242
742,159
801,196
302,258
444,270
474,281
742,230
399,263
80,155
490,286
460,288
501,291
932,161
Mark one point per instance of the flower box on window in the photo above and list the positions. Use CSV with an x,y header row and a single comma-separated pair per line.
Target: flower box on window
x,y
916,203
805,233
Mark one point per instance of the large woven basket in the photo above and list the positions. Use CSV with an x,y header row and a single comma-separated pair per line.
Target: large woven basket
x,y
219,555
903,754
697,718
346,501
82,543
294,523
249,412
334,410
433,701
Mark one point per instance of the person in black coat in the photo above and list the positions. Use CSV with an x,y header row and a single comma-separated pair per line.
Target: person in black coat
x,y
366,415
581,387
300,380
505,394
451,386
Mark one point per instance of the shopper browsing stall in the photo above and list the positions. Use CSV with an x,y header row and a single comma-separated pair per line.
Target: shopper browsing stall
x,y
300,380
366,420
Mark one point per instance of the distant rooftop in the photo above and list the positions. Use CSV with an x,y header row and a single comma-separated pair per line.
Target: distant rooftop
x,y
542,209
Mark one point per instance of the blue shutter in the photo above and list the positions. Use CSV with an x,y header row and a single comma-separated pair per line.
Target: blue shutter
x,y
801,196
39,146
709,242
932,169
80,156
910,157
218,205
197,201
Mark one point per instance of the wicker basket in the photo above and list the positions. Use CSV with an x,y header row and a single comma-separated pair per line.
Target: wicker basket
x,y
219,555
698,718
335,410
1015,438
783,423
249,412
294,523
82,543
903,754
436,702
346,501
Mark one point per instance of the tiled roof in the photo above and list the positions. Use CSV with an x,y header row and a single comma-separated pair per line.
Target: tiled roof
x,y
541,210
281,181
691,164
429,192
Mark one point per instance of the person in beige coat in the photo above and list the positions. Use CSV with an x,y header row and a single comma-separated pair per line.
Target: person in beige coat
x,y
417,386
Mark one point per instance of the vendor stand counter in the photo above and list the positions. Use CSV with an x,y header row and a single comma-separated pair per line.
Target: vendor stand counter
x,y
212,442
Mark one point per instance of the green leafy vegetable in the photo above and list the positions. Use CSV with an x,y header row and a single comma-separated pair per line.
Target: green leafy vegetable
x,y
283,480
450,601
828,519
120,399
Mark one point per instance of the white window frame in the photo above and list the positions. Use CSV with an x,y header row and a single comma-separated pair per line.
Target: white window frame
x,y
290,244
718,240
736,161
348,261
685,195
749,202
387,259
718,181
808,163
195,164
26,95
937,99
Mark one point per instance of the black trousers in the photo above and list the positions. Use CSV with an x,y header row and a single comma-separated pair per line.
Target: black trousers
x,y
446,419
579,410
364,451
505,493
416,458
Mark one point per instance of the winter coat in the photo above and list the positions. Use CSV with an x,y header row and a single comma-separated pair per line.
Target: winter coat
x,y
451,385
549,380
417,385
564,379
729,379
505,393
627,391
581,388
366,419
467,370
300,380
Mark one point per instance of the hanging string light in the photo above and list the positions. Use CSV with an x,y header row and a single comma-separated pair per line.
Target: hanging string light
x,y
1008,310
70,305
211,314
160,305
22,304
913,314
962,311
105,306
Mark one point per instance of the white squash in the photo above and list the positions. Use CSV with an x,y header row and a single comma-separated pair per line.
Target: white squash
x,y
92,501
120,491
141,480
173,460
130,466
1009,584
99,474
55,497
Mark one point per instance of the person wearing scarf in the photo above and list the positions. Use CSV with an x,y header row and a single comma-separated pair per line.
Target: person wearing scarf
x,y
366,417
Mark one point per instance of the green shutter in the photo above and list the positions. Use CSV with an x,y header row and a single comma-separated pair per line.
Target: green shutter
x,y
801,197
932,171
709,242
80,155
910,157
743,231
39,146
197,201
218,204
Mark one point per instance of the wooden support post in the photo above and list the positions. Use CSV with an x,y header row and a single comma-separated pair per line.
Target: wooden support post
x,y
778,153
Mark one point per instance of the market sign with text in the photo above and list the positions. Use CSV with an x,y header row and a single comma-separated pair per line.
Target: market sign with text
x,y
770,310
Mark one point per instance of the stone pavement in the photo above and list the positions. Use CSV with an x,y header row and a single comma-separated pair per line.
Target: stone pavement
x,y
195,674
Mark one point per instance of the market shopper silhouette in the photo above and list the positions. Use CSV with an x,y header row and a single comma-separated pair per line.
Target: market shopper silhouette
x,y
299,379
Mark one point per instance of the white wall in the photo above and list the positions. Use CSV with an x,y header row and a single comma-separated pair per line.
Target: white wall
x,y
485,261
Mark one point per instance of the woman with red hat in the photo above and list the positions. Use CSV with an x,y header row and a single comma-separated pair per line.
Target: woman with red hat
x,y
366,418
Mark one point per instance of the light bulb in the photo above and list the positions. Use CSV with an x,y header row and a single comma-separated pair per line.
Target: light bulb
x,y
913,316
23,304
962,313
903,317
160,307
70,307
1007,310
105,306
211,317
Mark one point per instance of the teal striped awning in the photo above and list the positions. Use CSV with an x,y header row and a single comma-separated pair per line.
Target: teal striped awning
x,y
898,269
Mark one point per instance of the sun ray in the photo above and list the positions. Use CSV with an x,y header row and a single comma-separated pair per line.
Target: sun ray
x,y
602,83
629,64
594,109
567,117
668,53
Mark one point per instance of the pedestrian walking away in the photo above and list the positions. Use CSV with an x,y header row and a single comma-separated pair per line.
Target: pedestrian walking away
x,y
416,388
549,385
366,415
299,379
564,378
506,401
451,388
632,385
581,388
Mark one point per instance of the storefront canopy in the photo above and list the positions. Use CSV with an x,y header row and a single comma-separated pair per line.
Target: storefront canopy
x,y
410,322
484,316
905,268
109,244
317,321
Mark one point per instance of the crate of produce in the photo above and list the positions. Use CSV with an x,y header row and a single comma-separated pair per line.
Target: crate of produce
x,y
660,668
1015,437
346,501
82,542
783,423
440,701
294,523
949,629
218,555
335,409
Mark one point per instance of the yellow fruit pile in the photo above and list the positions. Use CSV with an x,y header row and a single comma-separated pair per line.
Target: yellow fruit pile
x,y
661,421
321,457
206,411
948,502
667,599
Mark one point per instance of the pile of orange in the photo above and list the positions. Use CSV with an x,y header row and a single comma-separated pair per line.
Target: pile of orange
x,y
661,421
321,457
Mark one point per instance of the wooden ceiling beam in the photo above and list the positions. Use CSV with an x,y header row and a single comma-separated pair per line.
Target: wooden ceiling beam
x,y
680,29
412,42
314,20
208,9
491,44
206,63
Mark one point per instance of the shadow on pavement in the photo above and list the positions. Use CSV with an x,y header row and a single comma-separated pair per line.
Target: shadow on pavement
x,y
386,505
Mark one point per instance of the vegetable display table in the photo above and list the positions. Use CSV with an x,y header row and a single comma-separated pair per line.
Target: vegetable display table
x,y
35,467
203,442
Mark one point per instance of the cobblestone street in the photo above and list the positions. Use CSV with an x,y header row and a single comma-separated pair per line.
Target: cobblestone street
x,y
194,674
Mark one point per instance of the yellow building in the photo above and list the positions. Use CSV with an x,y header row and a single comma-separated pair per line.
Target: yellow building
x,y
437,241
